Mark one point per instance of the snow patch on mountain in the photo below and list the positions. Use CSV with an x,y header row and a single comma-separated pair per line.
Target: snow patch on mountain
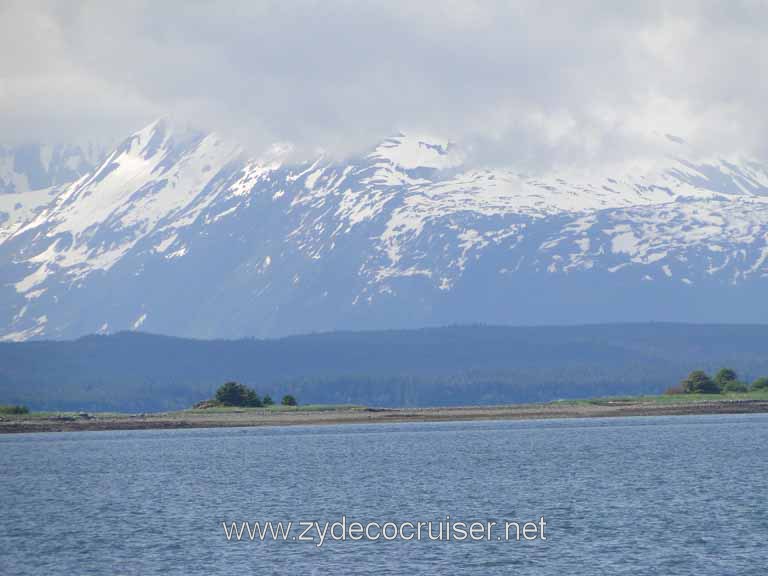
x,y
19,208
414,151
269,235
146,182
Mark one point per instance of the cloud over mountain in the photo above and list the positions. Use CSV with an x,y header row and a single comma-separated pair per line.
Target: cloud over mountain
x,y
539,83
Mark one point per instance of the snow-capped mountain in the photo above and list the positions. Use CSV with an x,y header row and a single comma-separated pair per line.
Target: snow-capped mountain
x,y
31,175
37,166
186,234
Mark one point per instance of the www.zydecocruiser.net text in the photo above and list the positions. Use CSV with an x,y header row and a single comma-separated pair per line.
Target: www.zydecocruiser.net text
x,y
344,530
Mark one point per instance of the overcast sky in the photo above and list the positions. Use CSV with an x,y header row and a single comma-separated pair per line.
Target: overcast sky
x,y
536,82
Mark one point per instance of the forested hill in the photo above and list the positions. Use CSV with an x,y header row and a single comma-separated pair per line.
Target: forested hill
x,y
436,366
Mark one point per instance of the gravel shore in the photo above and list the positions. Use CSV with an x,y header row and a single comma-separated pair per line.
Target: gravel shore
x,y
68,422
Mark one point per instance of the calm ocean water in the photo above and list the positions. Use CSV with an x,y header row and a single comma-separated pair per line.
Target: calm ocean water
x,y
678,495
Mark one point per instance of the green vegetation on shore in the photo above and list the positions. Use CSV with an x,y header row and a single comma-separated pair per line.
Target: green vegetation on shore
x,y
13,409
235,395
726,381
232,397
274,408
278,414
752,395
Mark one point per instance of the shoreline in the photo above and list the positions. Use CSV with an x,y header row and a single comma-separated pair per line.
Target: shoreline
x,y
246,418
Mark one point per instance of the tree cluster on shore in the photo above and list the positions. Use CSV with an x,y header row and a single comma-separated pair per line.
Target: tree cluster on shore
x,y
13,409
726,380
238,395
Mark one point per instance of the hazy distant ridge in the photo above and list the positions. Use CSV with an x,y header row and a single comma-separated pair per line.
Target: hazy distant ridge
x,y
441,366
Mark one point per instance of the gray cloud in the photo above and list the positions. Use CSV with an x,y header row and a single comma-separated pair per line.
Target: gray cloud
x,y
529,82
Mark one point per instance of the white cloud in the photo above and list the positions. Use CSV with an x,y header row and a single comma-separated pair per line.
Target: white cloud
x,y
535,82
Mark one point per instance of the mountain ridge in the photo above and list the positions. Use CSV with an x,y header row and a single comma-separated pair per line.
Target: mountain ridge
x,y
186,234
133,371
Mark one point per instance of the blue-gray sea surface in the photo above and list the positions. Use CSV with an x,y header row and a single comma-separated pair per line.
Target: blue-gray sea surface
x,y
658,495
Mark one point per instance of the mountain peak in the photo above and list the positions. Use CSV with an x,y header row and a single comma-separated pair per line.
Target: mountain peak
x,y
181,233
